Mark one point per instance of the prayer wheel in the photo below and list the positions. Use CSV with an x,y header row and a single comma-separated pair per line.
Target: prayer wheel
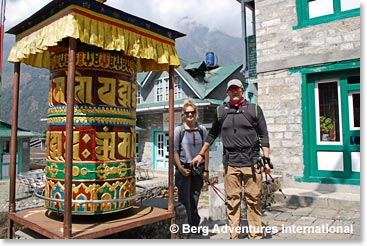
x,y
104,138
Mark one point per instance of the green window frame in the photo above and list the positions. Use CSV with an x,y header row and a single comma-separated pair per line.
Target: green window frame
x,y
341,70
303,14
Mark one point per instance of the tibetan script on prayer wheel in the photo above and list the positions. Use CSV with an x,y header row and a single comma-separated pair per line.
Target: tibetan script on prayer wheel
x,y
104,131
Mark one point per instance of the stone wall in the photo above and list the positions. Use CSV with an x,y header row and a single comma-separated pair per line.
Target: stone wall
x,y
281,102
281,47
148,123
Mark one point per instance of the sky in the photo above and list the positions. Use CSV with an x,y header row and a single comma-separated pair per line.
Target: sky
x,y
223,15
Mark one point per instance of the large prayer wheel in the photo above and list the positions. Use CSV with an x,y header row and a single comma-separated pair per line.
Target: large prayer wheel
x,y
104,141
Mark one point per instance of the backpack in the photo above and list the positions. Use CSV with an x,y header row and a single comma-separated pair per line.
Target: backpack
x,y
183,129
249,111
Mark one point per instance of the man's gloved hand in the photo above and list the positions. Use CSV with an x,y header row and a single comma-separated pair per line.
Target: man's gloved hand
x,y
267,161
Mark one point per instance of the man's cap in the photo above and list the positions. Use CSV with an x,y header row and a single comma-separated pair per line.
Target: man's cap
x,y
234,82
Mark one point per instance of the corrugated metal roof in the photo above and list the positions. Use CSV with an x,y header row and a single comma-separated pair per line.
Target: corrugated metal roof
x,y
5,131
212,79
194,65
216,76
141,77
201,86
178,104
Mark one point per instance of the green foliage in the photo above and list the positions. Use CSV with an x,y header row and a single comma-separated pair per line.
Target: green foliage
x,y
326,124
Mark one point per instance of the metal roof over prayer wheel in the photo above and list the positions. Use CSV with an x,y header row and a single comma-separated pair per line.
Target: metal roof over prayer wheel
x,y
95,24
93,52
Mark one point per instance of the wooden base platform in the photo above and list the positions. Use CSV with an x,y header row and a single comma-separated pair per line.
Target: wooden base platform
x,y
51,225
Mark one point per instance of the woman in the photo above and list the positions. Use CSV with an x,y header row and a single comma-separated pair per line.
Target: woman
x,y
189,137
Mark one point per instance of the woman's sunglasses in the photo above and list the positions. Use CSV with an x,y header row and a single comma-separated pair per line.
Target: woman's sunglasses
x,y
190,112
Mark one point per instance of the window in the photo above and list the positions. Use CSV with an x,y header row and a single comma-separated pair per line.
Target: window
x,y
178,91
159,91
138,96
166,88
328,111
320,7
162,88
137,153
354,110
349,4
160,145
250,96
6,147
313,12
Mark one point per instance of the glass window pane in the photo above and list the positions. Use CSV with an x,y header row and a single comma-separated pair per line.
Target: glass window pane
x,y
355,140
166,88
320,7
329,111
138,96
349,4
160,145
137,147
178,88
353,80
167,144
356,110
6,147
250,96
159,91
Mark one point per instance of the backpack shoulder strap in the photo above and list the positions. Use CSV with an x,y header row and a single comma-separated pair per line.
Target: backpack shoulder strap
x,y
222,112
250,111
201,131
182,132
251,114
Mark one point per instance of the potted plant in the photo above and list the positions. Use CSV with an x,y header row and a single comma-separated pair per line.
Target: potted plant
x,y
326,124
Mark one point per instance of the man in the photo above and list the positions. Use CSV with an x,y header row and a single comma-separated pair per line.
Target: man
x,y
242,126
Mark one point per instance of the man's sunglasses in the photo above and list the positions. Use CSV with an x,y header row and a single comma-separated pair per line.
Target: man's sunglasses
x,y
235,89
190,112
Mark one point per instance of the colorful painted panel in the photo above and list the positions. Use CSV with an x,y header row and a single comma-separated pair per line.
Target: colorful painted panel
x,y
104,131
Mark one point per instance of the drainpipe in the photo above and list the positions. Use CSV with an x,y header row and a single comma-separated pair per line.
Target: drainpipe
x,y
2,21
244,71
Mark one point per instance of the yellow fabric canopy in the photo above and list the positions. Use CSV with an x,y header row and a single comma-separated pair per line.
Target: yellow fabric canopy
x,y
154,52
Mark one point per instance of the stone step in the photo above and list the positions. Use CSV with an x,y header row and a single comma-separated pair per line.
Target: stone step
x,y
296,197
27,233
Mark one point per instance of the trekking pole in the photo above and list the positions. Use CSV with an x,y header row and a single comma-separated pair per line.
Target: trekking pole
x,y
215,188
262,161
272,180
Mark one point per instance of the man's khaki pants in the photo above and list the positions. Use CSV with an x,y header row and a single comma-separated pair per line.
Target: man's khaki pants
x,y
233,178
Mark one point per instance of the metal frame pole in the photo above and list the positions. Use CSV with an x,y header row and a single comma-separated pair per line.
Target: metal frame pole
x,y
69,138
13,146
171,120
245,67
